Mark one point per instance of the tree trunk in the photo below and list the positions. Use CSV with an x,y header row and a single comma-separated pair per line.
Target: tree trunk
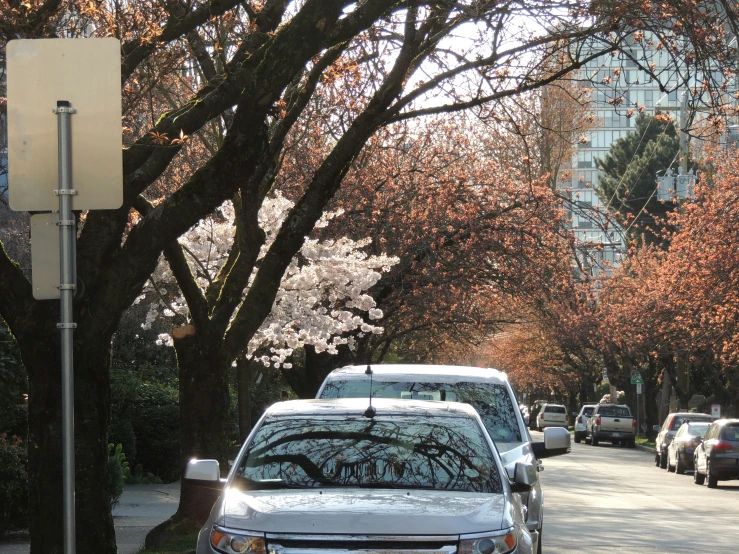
x,y
40,349
243,376
204,403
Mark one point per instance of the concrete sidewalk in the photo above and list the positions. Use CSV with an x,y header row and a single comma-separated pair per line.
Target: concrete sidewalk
x,y
140,508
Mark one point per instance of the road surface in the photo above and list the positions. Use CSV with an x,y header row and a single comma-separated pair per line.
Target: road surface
x,y
607,499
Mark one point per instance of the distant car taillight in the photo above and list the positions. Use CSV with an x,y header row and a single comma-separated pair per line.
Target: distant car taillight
x,y
633,424
597,420
722,447
579,419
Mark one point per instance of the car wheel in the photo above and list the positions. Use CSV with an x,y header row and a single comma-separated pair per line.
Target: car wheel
x,y
698,478
656,459
663,460
670,467
679,466
538,547
632,443
711,479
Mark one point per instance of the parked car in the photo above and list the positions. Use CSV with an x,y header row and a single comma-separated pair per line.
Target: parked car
x,y
611,422
682,447
487,390
665,433
334,476
552,415
524,414
717,457
581,421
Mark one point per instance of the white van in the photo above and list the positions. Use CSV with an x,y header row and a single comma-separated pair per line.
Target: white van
x,y
487,390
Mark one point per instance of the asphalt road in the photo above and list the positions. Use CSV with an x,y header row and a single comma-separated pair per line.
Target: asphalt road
x,y
608,499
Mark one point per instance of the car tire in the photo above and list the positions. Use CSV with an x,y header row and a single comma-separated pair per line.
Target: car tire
x,y
711,480
632,443
679,466
670,467
698,478
663,460
656,459
538,547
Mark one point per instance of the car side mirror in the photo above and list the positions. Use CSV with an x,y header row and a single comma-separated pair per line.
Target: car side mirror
x,y
203,470
657,428
524,477
557,441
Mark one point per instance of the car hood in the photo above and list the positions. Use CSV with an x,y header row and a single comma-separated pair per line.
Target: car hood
x,y
365,511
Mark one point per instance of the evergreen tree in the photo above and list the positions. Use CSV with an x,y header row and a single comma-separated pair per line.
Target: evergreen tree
x,y
628,176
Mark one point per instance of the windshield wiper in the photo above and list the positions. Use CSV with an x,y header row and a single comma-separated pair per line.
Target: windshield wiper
x,y
250,485
386,485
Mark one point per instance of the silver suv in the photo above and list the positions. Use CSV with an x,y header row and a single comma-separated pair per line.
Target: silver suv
x,y
337,477
487,390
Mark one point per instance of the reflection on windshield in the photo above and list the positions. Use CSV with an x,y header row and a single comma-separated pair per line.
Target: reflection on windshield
x,y
491,401
428,452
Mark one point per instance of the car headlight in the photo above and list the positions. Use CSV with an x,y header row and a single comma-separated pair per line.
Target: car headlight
x,y
236,542
492,544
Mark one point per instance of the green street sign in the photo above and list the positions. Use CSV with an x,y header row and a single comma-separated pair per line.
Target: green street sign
x,y
636,379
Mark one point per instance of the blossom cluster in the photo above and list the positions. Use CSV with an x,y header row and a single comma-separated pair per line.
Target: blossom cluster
x,y
323,297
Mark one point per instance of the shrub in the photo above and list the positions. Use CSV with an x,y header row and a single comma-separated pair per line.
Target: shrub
x,y
13,478
118,472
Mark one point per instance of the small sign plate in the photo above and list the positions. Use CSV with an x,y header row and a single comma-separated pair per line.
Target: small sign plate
x,y
716,411
45,256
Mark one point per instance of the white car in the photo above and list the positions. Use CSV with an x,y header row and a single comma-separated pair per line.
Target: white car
x,y
337,477
581,422
487,390
552,415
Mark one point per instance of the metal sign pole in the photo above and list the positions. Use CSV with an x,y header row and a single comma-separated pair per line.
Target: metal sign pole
x,y
67,271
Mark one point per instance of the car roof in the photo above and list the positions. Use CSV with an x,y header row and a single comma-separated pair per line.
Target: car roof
x,y
723,422
690,414
357,406
406,372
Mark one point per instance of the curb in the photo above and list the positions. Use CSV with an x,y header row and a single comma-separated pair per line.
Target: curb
x,y
648,449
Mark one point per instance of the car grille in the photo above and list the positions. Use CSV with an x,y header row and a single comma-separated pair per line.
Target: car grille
x,y
316,544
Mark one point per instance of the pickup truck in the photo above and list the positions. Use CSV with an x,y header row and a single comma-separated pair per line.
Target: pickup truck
x,y
613,423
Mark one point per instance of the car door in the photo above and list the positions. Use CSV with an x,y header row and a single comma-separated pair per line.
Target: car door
x,y
661,437
701,450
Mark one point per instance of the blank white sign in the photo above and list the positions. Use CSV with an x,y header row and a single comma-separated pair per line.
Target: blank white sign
x,y
87,73
45,256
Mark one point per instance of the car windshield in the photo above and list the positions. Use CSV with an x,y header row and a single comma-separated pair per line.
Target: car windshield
x,y
730,432
698,429
613,411
679,420
491,400
555,410
408,452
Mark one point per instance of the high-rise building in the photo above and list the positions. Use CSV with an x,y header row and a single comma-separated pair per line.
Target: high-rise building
x,y
620,91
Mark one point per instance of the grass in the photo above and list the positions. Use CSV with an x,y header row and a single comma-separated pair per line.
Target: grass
x,y
644,442
181,544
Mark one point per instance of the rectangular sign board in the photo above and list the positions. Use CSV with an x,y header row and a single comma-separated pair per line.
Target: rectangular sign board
x,y
716,411
87,73
45,256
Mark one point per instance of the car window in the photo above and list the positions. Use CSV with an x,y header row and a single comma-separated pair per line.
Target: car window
x,y
587,411
398,451
667,423
711,431
730,432
698,429
680,432
491,400
555,410
679,419
614,411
